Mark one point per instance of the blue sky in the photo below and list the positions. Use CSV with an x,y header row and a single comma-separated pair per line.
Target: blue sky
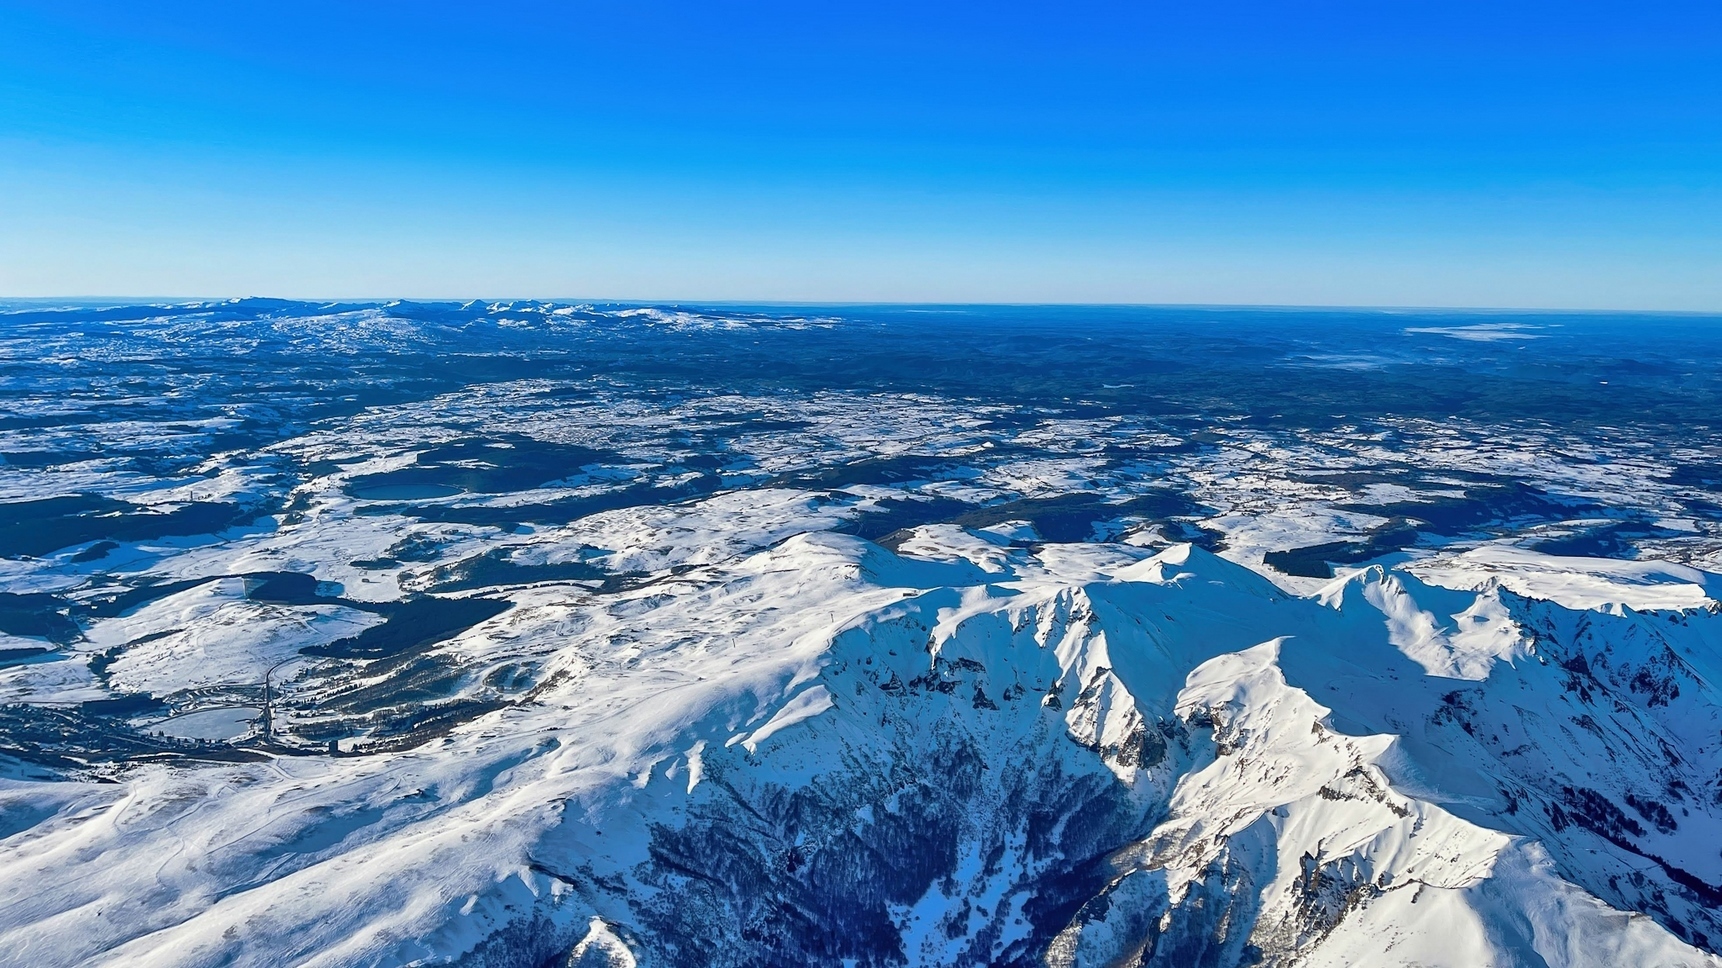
x,y
1392,152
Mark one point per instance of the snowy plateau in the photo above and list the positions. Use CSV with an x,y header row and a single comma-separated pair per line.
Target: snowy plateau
x,y
542,635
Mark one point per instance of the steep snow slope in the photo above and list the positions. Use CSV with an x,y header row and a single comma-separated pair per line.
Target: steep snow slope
x,y
966,751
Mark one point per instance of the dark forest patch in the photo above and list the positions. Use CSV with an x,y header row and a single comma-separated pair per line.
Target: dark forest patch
x,y
561,511
35,528
495,567
498,465
412,625
1072,517
38,615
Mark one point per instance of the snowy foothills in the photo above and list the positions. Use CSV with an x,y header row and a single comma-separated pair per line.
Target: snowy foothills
x,y
531,634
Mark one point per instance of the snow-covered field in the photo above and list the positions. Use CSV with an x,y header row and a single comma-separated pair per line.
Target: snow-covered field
x,y
538,635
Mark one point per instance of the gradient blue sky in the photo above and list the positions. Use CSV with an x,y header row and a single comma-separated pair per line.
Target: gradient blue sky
x,y
1393,152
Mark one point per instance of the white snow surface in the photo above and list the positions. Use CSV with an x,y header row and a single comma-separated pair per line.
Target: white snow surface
x,y
1373,771
1582,583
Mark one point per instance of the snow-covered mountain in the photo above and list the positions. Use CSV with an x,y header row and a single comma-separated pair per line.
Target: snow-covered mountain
x,y
558,669
965,753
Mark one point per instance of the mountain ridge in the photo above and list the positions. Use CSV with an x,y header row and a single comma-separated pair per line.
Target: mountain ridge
x,y
1143,710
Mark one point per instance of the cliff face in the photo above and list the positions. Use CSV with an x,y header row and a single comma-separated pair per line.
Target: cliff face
x,y
1178,764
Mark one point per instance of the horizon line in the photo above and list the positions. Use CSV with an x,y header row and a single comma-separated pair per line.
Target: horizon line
x,y
90,301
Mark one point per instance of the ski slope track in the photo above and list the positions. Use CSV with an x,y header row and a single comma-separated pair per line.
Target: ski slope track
x,y
965,752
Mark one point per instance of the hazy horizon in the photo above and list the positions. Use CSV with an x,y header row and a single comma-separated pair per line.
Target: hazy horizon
x,y
102,301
